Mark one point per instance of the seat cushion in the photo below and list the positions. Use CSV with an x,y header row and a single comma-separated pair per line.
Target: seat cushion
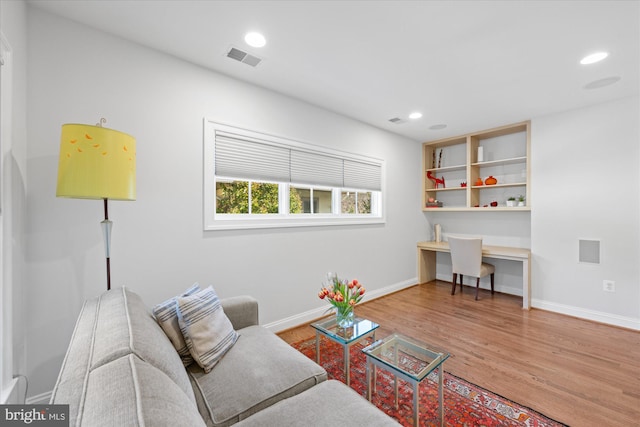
x,y
487,269
328,404
258,371
131,392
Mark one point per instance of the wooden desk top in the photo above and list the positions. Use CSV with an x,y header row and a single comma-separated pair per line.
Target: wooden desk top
x,y
505,252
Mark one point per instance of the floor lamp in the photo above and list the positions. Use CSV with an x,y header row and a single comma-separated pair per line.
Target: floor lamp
x,y
97,163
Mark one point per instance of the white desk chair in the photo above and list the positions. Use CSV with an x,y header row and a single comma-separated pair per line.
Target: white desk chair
x,y
466,260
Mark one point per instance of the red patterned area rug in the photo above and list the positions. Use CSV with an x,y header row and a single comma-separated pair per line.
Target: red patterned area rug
x,y
466,404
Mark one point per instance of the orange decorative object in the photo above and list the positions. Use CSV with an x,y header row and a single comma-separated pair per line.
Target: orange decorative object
x,y
478,181
491,180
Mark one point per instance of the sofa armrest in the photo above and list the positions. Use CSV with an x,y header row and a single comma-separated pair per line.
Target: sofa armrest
x,y
242,311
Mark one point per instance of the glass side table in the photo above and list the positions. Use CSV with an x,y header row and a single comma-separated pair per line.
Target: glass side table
x,y
409,359
361,329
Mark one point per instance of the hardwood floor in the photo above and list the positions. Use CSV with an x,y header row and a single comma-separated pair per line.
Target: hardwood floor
x,y
579,372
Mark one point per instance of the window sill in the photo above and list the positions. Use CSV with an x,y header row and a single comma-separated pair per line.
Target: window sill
x,y
254,223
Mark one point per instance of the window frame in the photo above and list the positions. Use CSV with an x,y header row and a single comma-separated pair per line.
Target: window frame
x,y
214,221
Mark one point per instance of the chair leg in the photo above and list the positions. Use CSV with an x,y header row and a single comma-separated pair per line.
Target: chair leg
x,y
477,287
461,283
492,274
453,284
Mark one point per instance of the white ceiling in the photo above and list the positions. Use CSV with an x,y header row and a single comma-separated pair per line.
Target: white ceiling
x,y
470,65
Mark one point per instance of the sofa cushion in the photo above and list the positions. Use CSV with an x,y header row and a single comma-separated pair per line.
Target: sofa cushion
x,y
131,392
258,371
75,367
329,404
116,324
166,315
207,331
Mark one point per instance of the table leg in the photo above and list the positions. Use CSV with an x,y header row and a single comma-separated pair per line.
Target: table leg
x,y
317,347
426,265
440,401
368,370
526,285
416,400
375,368
395,384
346,364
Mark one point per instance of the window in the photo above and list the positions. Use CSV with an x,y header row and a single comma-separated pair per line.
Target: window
x,y
254,180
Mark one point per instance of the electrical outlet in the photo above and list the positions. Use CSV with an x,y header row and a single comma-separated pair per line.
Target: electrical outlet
x,y
608,286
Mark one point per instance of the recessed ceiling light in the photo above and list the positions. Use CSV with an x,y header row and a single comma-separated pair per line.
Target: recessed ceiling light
x,y
415,115
602,82
593,58
254,39
437,127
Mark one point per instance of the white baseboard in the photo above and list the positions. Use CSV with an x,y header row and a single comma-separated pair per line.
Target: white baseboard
x,y
308,316
583,313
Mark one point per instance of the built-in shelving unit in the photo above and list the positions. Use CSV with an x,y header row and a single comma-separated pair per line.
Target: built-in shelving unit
x,y
505,156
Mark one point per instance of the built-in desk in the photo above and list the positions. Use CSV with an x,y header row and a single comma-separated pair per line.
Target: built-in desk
x,y
427,263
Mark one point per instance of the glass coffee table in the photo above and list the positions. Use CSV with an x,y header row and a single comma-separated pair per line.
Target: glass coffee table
x,y
361,329
409,359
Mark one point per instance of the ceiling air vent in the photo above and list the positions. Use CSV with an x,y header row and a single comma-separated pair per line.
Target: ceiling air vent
x,y
397,120
243,57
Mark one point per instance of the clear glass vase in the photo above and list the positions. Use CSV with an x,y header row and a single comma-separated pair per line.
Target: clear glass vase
x,y
345,316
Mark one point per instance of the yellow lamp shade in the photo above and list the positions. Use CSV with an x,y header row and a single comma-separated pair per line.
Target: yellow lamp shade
x,y
96,163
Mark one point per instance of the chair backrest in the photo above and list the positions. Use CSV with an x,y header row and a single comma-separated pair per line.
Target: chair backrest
x,y
466,255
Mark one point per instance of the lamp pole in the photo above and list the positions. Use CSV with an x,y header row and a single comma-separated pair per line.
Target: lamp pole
x,y
106,235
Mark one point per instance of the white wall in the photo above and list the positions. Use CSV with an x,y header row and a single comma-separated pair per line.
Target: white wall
x,y
13,25
586,185
158,246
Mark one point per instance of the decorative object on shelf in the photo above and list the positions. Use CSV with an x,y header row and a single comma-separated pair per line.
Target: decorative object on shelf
x,y
433,159
491,180
494,204
97,163
437,181
433,203
437,233
463,184
478,182
343,295
511,202
480,154
440,159
521,200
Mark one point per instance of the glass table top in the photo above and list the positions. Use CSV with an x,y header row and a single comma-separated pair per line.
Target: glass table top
x,y
360,328
412,357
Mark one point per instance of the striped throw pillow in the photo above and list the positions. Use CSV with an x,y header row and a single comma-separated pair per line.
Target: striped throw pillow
x,y
166,315
207,330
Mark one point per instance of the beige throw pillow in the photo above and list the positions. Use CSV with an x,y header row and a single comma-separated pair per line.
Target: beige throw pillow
x,y
166,315
207,330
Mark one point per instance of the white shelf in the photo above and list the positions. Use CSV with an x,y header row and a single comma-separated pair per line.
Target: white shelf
x,y
503,141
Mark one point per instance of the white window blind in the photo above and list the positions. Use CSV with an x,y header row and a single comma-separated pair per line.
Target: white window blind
x,y
316,169
365,176
241,156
